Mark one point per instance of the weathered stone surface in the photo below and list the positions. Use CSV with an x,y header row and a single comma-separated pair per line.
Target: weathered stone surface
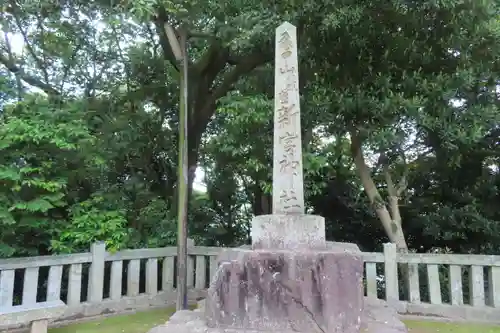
x,y
291,231
377,317
287,290
288,183
39,326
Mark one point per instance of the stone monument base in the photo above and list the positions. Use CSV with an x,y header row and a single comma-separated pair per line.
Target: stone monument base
x,y
288,231
377,317
281,290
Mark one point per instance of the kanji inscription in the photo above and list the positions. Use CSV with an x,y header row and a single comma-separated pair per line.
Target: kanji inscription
x,y
288,191
286,115
285,44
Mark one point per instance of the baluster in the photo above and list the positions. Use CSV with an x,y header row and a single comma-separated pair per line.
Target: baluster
x,y
133,275
30,285
371,279
477,286
55,279
494,286
115,291
200,272
456,289
413,283
168,274
75,284
152,276
190,271
6,287
434,284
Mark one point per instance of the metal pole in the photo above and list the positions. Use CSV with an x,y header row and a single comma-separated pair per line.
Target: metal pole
x,y
182,200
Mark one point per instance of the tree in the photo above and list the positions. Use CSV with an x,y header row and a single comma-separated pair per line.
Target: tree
x,y
68,55
397,100
411,61
42,150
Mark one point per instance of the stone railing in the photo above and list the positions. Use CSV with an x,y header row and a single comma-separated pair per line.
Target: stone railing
x,y
99,282
458,286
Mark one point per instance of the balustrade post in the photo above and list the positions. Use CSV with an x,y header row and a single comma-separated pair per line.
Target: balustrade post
x,y
391,273
96,276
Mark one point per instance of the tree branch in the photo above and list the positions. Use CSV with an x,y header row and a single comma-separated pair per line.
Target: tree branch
x,y
216,54
364,171
160,20
12,59
67,67
10,62
205,111
251,61
392,229
30,49
203,35
33,81
151,36
391,189
403,182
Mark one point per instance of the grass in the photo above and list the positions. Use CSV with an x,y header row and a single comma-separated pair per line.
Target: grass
x,y
437,327
141,322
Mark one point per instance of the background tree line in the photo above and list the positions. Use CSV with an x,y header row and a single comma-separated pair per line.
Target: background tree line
x,y
399,113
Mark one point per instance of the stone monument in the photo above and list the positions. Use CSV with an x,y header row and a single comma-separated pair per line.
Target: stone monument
x,y
291,279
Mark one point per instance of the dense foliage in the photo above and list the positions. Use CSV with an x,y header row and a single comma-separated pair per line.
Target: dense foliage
x,y
400,114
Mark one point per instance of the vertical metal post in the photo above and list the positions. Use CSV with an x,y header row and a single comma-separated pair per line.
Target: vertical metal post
x,y
182,200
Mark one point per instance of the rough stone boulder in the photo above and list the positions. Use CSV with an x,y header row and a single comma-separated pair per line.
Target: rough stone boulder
x,y
286,290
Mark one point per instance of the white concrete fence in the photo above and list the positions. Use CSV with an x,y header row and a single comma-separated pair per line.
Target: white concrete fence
x,y
99,282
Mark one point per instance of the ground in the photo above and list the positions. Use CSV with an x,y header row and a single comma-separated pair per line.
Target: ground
x,y
435,327
141,322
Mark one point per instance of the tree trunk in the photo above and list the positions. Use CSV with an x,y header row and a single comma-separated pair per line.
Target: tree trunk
x,y
391,220
391,224
262,202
